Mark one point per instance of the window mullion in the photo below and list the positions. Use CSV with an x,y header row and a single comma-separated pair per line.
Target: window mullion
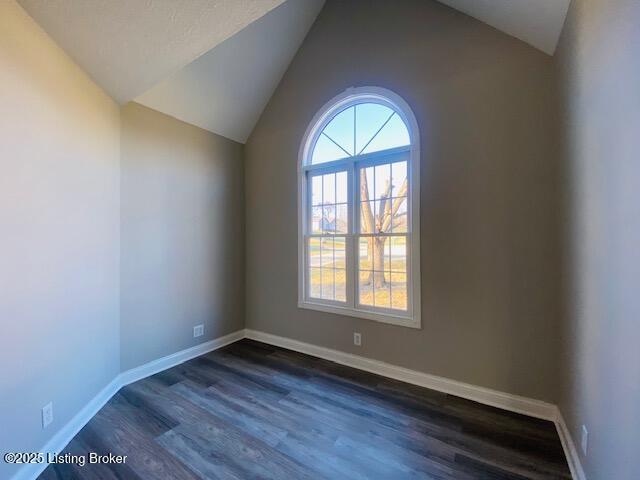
x,y
347,243
355,225
307,232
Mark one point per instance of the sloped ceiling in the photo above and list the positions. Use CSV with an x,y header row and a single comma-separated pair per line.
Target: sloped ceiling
x,y
536,22
226,89
215,63
127,46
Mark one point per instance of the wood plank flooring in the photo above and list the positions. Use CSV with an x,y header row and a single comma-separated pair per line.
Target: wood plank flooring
x,y
253,411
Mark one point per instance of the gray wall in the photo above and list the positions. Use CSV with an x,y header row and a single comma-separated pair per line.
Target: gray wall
x,y
489,192
182,235
59,235
75,187
599,61
71,318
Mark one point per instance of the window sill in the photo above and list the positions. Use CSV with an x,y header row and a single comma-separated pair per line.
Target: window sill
x,y
399,320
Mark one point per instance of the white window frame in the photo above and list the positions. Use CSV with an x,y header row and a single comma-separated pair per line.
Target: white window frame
x,y
353,96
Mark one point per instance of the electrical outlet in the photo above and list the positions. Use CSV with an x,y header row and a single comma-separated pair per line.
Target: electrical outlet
x,y
584,441
47,415
357,339
198,331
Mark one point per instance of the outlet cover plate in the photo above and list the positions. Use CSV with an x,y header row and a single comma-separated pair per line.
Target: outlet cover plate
x,y
198,331
47,415
584,440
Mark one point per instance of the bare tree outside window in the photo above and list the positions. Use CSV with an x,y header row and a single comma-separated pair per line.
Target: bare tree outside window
x,y
380,223
358,233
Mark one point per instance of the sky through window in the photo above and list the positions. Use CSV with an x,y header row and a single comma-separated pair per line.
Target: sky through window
x,y
358,130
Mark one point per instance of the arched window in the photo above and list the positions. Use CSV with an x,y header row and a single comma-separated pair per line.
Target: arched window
x,y
359,229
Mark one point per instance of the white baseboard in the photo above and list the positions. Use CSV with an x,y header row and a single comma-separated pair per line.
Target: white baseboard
x,y
155,366
570,451
61,438
59,441
506,401
494,398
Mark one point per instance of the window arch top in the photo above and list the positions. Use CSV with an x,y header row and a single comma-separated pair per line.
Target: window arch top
x,y
361,127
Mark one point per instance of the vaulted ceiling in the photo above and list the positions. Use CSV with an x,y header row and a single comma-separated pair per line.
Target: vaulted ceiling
x,y
536,22
226,89
216,63
127,46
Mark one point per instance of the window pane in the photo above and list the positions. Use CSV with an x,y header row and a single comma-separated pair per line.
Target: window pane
x,y
316,190
383,215
400,217
342,218
377,128
378,182
399,179
382,290
393,134
329,218
326,253
339,255
316,220
369,118
340,129
315,283
329,189
383,181
327,284
367,217
399,291
386,252
341,187
365,248
365,295
398,254
366,184
374,253
378,259
341,284
314,252
326,151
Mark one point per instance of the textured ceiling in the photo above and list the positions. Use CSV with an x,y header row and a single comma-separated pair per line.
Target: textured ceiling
x,y
215,63
127,46
226,89
536,22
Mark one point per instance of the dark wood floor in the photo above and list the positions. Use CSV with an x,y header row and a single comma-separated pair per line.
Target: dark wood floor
x,y
252,411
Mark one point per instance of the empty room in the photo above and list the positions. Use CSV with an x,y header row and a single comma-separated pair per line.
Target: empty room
x,y
319,239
